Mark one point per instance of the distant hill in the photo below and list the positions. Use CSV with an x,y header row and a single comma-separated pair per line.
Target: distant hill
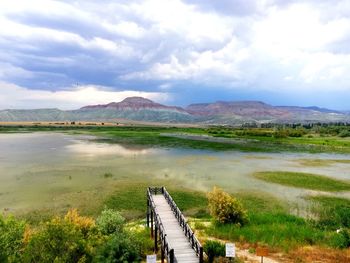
x,y
220,112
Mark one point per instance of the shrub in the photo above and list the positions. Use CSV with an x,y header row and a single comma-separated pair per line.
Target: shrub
x,y
109,222
143,241
214,249
69,239
82,223
344,133
119,248
226,209
11,239
58,241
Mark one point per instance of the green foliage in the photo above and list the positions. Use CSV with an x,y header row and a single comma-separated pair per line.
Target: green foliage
x,y
344,133
332,212
118,248
11,239
69,239
303,180
340,239
110,222
214,249
226,209
275,229
144,241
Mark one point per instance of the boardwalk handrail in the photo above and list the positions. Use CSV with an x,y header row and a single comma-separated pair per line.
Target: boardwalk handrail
x,y
168,251
195,244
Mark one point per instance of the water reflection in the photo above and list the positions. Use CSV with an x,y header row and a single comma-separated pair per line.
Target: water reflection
x,y
95,149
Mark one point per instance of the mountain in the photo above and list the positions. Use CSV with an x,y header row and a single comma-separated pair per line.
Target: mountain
x,y
248,110
219,112
134,108
226,112
134,103
34,115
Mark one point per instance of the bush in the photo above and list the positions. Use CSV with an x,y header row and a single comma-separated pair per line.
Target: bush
x,y
71,239
11,239
226,209
214,249
110,222
344,133
144,241
119,248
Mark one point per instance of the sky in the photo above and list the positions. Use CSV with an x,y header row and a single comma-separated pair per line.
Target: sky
x,y
68,54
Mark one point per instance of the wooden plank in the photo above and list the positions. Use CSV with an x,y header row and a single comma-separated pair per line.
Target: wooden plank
x,y
183,251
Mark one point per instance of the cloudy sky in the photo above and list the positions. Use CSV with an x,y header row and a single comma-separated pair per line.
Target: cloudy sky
x,y
67,54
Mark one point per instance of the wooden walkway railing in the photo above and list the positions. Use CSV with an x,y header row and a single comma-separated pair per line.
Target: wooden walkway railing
x,y
159,196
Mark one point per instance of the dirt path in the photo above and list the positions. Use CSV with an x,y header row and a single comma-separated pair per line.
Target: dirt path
x,y
251,258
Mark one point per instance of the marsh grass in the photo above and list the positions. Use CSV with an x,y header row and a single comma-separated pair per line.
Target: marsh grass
x,y
130,199
270,223
332,212
154,135
303,180
321,162
108,175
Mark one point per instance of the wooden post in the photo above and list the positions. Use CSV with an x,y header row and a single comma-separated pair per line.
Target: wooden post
x,y
201,260
171,256
162,255
155,239
151,224
147,211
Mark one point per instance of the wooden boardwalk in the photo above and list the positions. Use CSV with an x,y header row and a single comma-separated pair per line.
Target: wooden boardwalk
x,y
183,251
177,240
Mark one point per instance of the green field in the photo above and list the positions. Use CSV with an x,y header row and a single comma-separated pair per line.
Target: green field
x,y
304,180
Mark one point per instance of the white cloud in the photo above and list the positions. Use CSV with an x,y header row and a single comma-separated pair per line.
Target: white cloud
x,y
13,96
268,45
292,40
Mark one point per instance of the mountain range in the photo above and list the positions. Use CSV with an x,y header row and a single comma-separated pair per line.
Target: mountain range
x,y
220,112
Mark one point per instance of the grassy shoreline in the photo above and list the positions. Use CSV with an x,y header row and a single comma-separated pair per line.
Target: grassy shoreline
x,y
151,135
303,180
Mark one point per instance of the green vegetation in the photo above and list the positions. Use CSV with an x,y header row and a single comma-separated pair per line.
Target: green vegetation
x,y
11,238
321,162
270,223
226,209
73,238
311,138
130,199
303,180
214,249
110,222
332,212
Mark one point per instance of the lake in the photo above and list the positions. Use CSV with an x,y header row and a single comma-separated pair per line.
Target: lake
x,y
58,170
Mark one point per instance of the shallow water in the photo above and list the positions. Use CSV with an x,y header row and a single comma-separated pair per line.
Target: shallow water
x,y
43,169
